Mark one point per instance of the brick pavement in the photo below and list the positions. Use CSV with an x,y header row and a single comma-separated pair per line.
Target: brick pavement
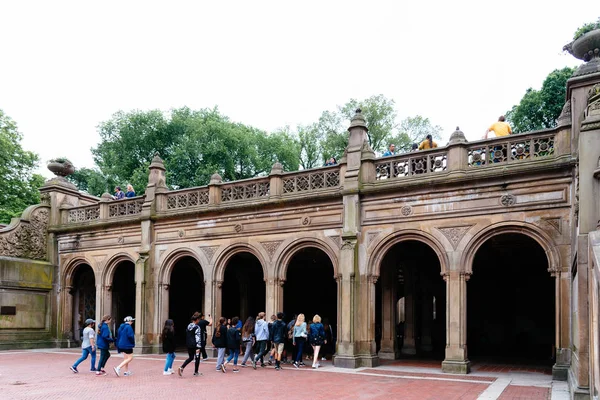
x,y
46,375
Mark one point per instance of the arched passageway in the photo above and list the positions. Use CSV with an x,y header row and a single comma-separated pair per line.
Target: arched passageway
x,y
410,315
310,288
243,287
84,298
186,294
510,302
123,292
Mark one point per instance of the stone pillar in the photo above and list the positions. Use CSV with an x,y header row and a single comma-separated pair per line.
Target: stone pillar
x,y
214,189
457,154
275,184
456,360
140,305
208,306
67,325
271,287
560,370
389,299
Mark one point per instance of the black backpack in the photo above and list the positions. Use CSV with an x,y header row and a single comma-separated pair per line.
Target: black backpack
x,y
190,339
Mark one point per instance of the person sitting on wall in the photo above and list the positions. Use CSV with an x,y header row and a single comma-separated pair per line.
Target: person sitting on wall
x,y
391,151
428,143
130,191
118,194
500,128
414,147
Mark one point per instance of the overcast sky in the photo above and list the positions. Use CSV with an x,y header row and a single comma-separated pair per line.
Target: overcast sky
x,y
66,66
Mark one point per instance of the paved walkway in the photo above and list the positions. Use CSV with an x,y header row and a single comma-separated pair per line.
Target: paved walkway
x,y
45,374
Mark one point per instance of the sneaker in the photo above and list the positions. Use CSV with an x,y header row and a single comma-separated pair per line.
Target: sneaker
x,y
100,373
223,368
170,370
235,370
74,370
314,367
253,364
277,368
323,359
166,373
262,365
117,370
197,374
243,365
296,365
302,364
180,371
270,363
93,370
127,373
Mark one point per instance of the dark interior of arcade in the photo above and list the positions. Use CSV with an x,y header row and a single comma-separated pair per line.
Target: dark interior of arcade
x,y
186,294
243,287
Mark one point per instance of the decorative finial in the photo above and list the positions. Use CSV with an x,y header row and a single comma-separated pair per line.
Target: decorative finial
x,y
358,120
215,178
277,168
457,137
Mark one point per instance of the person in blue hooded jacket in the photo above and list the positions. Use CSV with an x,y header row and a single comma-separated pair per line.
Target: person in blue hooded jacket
x,y
125,345
103,341
317,338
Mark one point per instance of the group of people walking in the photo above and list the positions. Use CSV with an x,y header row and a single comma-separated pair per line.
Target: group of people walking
x,y
263,342
124,342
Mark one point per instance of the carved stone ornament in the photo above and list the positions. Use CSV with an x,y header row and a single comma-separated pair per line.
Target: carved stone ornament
x,y
371,236
120,240
444,276
45,198
406,210
181,233
306,220
508,200
372,278
238,228
554,223
219,284
454,234
466,275
281,282
28,239
271,247
348,245
209,251
166,286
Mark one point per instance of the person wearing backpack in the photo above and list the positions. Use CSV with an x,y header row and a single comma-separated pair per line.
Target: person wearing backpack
x,y
278,334
168,339
316,339
193,342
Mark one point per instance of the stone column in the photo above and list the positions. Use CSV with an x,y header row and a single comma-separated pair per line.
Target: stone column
x,y
389,299
456,360
140,304
67,326
409,345
560,370
270,293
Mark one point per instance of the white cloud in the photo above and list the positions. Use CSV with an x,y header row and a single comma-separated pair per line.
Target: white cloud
x,y
69,65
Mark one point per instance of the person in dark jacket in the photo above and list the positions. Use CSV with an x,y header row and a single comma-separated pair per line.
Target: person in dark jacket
x,y
168,338
125,345
193,342
130,192
219,340
278,334
234,340
103,341
316,338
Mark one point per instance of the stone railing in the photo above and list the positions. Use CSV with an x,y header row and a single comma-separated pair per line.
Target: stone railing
x,y
83,214
310,180
121,208
410,164
246,190
510,149
187,198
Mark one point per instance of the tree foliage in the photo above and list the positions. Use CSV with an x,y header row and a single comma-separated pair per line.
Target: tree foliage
x,y
18,183
539,109
193,144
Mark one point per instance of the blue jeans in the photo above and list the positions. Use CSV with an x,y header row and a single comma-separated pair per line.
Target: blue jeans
x,y
169,362
262,346
220,357
300,345
84,355
233,353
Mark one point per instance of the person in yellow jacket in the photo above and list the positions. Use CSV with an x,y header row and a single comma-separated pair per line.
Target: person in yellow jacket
x,y
428,143
500,128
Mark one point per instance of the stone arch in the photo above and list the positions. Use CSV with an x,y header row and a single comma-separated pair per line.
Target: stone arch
x,y
166,267
111,265
71,268
527,229
386,243
283,261
228,252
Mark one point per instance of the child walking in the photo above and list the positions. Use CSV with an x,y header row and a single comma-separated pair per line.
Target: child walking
x,y
193,341
88,345
168,337
104,339
219,340
233,343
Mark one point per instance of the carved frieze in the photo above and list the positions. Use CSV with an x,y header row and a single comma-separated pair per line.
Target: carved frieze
x,y
271,247
406,210
454,234
238,228
371,236
306,220
100,260
554,223
209,251
348,245
27,239
508,200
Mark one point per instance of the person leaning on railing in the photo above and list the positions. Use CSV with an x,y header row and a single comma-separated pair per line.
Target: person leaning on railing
x,y
500,128
428,143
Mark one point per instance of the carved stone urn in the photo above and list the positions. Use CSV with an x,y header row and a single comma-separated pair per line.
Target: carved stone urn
x,y
586,47
61,167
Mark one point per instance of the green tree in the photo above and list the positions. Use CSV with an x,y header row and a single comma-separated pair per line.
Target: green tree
x,y
414,130
92,181
539,109
19,184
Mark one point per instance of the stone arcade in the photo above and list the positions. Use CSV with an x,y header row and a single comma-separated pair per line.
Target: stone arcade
x,y
393,251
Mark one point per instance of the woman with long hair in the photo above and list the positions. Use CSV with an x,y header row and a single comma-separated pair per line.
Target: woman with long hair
x,y
168,339
299,338
317,338
219,340
103,340
248,339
